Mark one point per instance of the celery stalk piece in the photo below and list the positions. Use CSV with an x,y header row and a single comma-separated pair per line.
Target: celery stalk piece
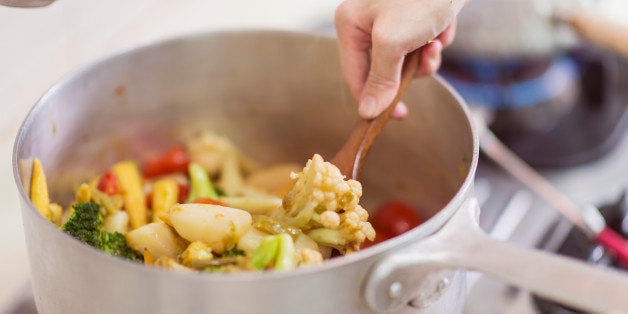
x,y
266,252
285,256
200,184
327,237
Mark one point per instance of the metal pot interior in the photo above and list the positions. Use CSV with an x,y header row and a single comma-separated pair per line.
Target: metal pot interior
x,y
279,96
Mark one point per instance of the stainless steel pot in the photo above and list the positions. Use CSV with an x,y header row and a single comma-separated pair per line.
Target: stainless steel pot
x,y
26,3
280,97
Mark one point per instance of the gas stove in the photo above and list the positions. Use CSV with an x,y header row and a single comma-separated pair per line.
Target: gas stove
x,y
571,107
512,213
584,154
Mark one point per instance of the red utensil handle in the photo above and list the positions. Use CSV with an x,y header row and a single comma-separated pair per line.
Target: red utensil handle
x,y
615,243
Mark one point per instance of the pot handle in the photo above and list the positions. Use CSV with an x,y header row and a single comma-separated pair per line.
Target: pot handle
x,y
399,279
26,3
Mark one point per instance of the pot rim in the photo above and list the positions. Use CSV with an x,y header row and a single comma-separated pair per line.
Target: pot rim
x,y
388,246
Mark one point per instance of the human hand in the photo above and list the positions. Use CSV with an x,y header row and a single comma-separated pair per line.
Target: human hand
x,y
374,37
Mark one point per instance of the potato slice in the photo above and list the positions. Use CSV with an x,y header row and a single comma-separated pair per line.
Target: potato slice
x,y
218,226
158,238
251,240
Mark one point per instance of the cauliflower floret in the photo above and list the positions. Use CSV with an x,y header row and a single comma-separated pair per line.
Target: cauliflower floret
x,y
330,219
217,154
210,150
197,255
309,257
323,202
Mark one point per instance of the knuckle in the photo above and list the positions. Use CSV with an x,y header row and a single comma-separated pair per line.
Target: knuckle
x,y
343,14
394,42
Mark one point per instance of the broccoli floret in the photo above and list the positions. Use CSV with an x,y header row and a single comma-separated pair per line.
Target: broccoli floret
x,y
114,243
323,202
85,224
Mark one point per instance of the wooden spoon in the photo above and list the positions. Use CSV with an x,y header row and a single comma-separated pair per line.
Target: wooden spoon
x,y
350,157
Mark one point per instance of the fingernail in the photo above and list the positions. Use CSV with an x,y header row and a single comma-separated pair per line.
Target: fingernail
x,y
368,107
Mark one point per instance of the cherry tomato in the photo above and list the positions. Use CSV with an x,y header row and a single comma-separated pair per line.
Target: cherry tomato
x,y
108,183
149,199
184,191
395,217
174,160
206,200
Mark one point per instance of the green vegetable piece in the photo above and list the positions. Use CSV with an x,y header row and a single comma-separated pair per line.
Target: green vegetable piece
x,y
219,192
233,252
327,237
84,224
272,226
115,244
285,256
200,184
265,253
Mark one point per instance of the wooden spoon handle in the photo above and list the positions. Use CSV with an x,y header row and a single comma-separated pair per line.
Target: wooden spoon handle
x,y
350,157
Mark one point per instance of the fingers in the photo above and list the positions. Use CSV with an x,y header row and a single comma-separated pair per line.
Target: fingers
x,y
383,78
374,38
448,35
354,44
381,86
401,111
431,58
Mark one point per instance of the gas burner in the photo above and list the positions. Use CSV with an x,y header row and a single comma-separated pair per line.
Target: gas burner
x,y
558,112
576,244
508,84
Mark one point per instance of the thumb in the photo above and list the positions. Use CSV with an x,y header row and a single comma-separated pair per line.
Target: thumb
x,y
382,82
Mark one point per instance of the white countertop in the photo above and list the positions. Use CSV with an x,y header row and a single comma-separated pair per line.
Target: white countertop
x,y
41,45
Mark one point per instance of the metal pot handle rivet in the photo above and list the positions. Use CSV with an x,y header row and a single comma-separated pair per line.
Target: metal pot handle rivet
x,y
395,290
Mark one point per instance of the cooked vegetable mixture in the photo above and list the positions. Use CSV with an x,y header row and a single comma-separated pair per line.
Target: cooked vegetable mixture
x,y
205,207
